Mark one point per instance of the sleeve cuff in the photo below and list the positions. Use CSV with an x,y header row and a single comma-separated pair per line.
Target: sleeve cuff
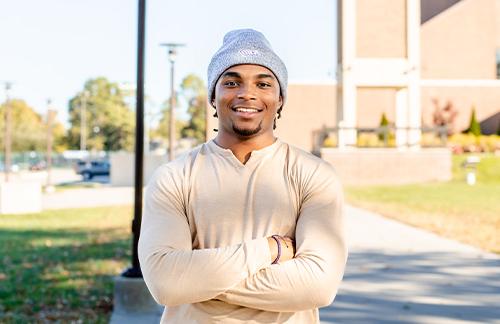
x,y
258,255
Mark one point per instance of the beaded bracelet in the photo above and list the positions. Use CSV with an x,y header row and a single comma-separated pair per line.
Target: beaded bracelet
x,y
277,239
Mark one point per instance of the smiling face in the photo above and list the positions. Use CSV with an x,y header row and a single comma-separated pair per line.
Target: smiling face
x,y
247,98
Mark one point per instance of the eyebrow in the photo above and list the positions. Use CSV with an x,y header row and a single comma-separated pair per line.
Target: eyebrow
x,y
265,76
233,74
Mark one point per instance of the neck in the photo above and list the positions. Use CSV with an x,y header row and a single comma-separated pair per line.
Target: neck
x,y
242,147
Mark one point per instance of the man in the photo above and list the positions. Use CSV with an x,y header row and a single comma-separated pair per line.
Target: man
x,y
220,224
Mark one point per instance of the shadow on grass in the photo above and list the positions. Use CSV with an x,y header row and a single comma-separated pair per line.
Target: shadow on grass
x,y
59,275
417,288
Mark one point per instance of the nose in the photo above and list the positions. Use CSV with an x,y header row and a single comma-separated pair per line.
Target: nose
x,y
247,93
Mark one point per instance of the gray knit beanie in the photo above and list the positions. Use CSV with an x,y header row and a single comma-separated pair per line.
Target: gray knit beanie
x,y
245,46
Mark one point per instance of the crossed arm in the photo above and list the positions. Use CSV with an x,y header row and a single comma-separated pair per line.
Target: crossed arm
x,y
311,279
175,273
242,274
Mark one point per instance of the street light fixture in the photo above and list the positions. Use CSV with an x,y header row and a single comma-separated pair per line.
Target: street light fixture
x,y
172,56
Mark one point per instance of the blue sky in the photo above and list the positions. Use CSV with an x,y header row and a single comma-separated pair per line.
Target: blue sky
x,y
50,48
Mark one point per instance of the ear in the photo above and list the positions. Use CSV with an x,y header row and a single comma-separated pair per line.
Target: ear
x,y
280,101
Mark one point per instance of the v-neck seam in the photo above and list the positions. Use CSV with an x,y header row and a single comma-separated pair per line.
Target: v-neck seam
x,y
254,155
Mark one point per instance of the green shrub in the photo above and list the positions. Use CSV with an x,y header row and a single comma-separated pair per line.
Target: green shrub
x,y
490,143
372,140
384,123
368,140
430,140
463,143
330,141
474,127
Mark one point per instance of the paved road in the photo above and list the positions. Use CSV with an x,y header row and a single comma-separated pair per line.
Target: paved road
x,y
395,273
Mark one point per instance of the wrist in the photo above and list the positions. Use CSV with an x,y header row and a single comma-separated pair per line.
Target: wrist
x,y
273,249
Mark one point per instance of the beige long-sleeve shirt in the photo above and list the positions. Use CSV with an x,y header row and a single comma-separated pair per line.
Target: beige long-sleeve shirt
x,y
203,248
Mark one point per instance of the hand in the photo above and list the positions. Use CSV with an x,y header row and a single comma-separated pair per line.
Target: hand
x,y
287,248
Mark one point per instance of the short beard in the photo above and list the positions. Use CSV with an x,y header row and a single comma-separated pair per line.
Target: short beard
x,y
247,132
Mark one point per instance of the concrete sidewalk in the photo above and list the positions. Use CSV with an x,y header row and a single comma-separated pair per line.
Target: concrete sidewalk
x,y
399,274
95,197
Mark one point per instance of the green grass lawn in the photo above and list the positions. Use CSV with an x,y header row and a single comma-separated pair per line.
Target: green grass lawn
x,y
57,266
470,214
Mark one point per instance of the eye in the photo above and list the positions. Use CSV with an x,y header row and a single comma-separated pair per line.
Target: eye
x,y
230,83
264,85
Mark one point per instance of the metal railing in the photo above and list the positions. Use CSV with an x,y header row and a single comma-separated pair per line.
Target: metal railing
x,y
384,136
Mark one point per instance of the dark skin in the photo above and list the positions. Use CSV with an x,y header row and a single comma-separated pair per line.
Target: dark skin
x,y
256,89
247,99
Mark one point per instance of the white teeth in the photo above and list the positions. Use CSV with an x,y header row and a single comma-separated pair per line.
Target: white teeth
x,y
249,110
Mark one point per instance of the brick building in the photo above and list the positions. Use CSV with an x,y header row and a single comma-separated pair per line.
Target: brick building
x,y
427,52
402,58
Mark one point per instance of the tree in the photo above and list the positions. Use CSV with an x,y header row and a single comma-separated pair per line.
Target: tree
x,y
193,90
59,136
195,93
110,122
162,131
29,129
474,127
444,116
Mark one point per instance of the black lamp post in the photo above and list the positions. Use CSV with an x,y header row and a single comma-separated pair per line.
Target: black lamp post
x,y
135,270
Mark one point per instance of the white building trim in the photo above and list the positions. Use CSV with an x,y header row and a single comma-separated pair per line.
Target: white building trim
x,y
459,83
414,109
402,74
312,82
347,86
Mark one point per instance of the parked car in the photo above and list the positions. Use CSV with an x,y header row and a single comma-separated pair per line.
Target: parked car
x,y
89,169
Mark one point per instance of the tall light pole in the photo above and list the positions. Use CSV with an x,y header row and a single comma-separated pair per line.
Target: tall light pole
x,y
172,56
83,121
51,114
8,131
135,270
